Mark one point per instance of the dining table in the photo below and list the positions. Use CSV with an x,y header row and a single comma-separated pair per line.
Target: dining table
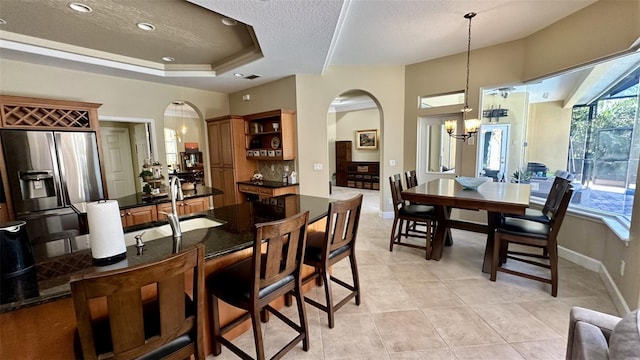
x,y
495,198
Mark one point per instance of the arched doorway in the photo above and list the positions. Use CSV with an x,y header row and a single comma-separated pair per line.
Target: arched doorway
x,y
354,141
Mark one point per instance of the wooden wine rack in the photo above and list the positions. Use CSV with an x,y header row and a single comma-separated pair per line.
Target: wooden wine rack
x,y
25,113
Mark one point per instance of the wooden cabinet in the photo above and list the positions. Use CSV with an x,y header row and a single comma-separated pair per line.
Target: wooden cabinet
x,y
271,135
183,207
4,213
364,175
267,192
343,158
227,158
138,215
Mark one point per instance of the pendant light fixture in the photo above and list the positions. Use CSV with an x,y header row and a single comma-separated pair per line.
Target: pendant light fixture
x,y
471,126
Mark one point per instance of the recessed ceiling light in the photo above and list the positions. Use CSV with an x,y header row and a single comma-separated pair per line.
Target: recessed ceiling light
x,y
238,75
168,59
80,7
146,26
229,22
3,21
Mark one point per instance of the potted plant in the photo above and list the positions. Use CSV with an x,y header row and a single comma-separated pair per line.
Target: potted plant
x,y
521,176
146,175
146,189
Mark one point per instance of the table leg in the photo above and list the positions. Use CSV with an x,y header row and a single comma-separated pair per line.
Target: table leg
x,y
493,220
448,239
442,217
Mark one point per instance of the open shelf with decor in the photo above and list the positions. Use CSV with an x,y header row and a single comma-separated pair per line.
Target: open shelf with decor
x,y
270,135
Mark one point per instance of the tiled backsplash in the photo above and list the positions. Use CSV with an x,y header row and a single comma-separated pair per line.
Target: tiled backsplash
x,y
273,170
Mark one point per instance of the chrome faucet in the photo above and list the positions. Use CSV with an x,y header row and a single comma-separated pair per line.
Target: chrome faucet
x,y
174,220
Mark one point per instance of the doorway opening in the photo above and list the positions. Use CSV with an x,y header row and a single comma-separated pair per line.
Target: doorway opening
x,y
354,142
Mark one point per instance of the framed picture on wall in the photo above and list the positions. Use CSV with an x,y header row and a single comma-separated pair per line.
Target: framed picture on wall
x,y
367,139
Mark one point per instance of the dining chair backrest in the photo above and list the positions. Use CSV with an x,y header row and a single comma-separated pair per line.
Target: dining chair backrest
x,y
281,244
556,215
558,189
396,191
166,324
411,178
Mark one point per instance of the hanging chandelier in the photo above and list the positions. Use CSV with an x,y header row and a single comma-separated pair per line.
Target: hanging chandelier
x,y
471,126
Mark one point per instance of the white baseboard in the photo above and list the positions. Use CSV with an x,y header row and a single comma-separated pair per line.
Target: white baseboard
x,y
579,259
616,296
597,266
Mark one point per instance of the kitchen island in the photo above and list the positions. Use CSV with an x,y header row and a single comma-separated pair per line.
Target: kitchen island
x,y
43,326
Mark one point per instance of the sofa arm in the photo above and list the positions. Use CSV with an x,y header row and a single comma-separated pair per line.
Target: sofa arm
x,y
605,322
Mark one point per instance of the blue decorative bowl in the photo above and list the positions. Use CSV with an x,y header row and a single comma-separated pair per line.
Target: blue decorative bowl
x,y
470,183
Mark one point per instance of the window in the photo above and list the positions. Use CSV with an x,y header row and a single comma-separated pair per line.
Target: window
x,y
585,122
171,146
441,100
605,143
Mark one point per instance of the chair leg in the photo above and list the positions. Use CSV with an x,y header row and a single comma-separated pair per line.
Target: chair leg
x,y
553,264
393,234
328,297
302,314
214,326
257,334
355,276
496,256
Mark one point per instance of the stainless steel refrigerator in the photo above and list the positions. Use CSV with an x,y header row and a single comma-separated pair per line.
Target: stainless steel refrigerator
x,y
48,171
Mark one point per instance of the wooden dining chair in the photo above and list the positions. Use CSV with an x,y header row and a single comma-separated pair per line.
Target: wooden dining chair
x,y
561,181
148,314
531,233
418,213
272,271
337,242
411,178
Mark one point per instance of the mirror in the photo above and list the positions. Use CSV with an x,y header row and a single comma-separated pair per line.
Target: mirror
x,y
436,149
493,140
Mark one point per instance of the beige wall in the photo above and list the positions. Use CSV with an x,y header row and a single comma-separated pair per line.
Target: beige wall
x,y
604,28
501,64
385,84
548,135
119,97
280,94
349,122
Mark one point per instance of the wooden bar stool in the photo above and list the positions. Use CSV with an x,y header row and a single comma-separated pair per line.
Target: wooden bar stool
x,y
272,271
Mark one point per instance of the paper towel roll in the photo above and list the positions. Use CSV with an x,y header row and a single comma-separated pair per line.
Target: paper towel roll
x,y
105,229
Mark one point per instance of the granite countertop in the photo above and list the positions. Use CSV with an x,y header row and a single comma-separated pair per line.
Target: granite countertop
x,y
267,183
49,280
139,199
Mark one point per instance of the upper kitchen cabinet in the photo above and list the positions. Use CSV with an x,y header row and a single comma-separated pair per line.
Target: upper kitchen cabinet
x,y
227,159
271,135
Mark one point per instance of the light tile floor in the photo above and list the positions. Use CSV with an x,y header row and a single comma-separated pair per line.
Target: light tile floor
x,y
414,309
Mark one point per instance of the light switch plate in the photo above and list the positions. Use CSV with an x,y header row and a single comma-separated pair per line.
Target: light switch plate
x,y
317,167
392,163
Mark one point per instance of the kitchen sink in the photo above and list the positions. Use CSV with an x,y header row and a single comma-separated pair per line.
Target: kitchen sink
x,y
165,230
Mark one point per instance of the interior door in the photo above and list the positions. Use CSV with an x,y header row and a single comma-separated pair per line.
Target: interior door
x,y
493,151
118,163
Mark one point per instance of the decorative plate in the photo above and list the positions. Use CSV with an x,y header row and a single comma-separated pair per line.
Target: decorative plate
x,y
275,142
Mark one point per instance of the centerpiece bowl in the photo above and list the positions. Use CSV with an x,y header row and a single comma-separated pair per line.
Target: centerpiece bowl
x,y
470,183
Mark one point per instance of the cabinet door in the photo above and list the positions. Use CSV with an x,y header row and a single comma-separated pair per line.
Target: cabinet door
x,y
226,144
224,179
140,215
213,134
195,205
4,214
165,208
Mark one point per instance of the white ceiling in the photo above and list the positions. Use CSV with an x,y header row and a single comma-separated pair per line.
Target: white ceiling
x,y
292,36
